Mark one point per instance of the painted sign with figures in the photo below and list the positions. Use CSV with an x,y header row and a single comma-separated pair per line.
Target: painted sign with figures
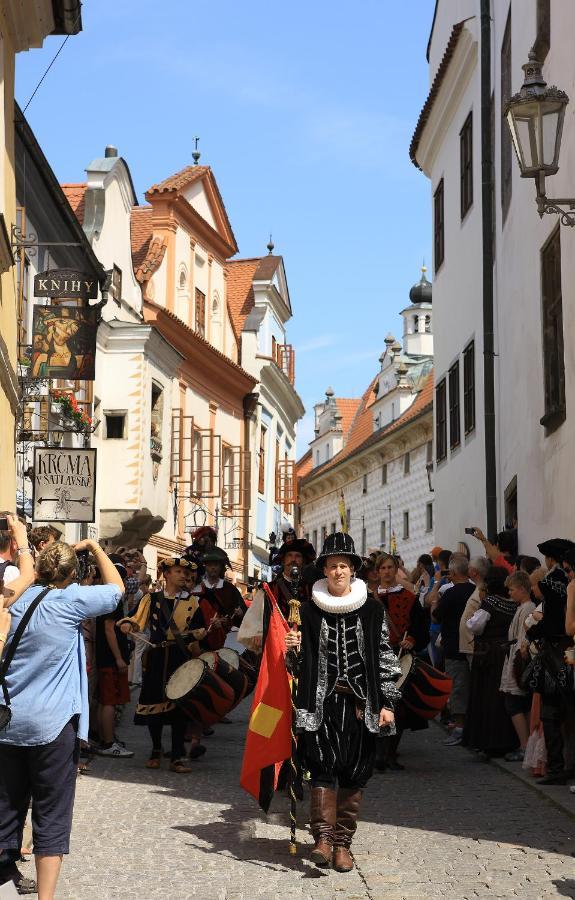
x,y
64,485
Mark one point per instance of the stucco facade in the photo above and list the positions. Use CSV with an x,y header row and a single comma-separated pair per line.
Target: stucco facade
x,y
534,471
22,26
367,467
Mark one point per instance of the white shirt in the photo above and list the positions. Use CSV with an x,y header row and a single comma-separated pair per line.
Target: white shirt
x,y
10,573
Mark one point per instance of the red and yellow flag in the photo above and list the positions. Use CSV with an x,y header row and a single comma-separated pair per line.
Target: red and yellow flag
x,y
268,740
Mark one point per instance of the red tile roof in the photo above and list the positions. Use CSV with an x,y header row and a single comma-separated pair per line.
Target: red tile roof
x,y
362,435
187,176
147,250
241,275
434,91
180,180
240,292
75,194
304,465
347,408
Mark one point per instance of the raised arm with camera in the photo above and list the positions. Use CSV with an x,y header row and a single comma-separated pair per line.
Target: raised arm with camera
x,y
17,586
108,571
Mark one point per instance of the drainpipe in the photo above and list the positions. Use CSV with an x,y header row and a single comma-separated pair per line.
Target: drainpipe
x,y
249,403
487,244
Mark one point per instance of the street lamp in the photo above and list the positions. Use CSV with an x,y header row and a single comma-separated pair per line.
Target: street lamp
x,y
535,118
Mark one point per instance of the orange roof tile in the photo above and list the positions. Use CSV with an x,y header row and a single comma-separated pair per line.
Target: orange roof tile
x,y
240,292
304,465
241,275
347,408
147,251
186,176
362,435
75,195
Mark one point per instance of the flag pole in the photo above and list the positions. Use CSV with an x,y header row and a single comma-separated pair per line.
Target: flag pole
x,y
294,621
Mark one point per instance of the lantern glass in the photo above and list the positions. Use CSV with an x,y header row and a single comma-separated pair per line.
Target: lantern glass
x,y
536,127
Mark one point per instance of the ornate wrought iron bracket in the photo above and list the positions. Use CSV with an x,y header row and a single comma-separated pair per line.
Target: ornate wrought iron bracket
x,y
546,205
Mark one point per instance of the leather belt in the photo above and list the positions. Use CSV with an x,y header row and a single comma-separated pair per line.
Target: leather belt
x,y
343,689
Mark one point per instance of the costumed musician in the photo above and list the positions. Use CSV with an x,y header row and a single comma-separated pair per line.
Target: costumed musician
x,y
408,624
220,602
346,693
170,619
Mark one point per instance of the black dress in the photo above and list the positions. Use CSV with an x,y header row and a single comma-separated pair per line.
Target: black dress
x,y
487,724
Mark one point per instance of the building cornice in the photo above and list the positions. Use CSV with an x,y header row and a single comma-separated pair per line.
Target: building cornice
x,y
131,337
415,432
449,84
280,389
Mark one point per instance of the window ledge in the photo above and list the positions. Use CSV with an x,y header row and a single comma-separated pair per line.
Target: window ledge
x,y
553,419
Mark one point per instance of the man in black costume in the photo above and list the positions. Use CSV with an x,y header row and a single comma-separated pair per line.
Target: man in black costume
x,y
298,553
345,698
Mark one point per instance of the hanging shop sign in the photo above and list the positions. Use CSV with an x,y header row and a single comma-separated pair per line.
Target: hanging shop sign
x,y
64,342
64,485
68,283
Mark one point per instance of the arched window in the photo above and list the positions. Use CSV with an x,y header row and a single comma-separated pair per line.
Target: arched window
x,y
415,324
183,277
428,324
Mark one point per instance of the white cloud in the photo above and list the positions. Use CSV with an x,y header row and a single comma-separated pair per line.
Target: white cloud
x,y
318,343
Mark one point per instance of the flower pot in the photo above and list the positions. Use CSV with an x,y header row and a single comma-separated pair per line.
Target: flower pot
x,y
56,407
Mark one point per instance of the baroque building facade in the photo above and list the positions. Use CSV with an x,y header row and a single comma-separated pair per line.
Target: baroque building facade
x,y
366,469
531,427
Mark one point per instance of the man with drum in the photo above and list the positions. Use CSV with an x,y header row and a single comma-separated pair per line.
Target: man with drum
x,y
346,693
168,616
221,604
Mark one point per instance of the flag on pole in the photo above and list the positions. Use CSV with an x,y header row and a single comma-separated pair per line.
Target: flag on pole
x,y
268,739
343,513
393,543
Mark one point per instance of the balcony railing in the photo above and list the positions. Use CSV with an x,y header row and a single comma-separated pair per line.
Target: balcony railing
x,y
284,358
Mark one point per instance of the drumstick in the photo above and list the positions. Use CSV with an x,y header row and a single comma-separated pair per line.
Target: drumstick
x,y
136,634
402,649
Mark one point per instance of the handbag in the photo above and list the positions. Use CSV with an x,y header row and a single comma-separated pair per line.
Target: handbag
x,y
547,673
5,711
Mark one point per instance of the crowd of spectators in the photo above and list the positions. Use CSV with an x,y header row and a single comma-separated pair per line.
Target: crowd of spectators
x,y
502,626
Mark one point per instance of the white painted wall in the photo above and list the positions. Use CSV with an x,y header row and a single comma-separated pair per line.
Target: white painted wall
x,y
543,465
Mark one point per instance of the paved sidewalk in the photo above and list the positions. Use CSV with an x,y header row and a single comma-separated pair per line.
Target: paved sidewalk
x,y
449,826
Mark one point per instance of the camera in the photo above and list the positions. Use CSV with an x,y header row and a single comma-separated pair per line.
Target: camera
x,y
82,570
470,531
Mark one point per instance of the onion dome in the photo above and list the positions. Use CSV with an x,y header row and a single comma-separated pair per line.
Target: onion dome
x,y
421,292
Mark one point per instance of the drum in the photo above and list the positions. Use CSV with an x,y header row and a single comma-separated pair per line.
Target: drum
x,y
232,676
249,670
424,690
232,657
200,692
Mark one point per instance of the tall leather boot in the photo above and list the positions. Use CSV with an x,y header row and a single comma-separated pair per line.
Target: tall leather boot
x,y
323,808
348,803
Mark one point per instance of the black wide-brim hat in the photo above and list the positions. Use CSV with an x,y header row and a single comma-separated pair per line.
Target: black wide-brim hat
x,y
556,547
177,561
300,545
339,544
216,554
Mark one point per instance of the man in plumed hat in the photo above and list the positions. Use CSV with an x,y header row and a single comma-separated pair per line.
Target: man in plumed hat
x,y
346,694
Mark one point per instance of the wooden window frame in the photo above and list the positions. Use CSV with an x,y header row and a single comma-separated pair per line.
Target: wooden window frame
x,y
439,226
262,461
454,407
441,421
505,136
200,313
552,336
469,388
466,165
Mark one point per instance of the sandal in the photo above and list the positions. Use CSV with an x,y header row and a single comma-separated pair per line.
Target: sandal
x,y
180,766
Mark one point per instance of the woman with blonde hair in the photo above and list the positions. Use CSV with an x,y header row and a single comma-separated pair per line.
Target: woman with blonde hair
x,y
48,691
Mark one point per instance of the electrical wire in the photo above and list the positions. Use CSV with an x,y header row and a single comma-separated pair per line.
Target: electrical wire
x,y
54,58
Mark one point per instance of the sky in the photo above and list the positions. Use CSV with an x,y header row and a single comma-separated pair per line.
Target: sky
x,y
304,111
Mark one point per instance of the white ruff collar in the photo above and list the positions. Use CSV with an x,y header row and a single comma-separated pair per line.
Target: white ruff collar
x,y
348,603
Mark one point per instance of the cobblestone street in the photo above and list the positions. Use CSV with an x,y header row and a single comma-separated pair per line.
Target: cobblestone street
x,y
449,826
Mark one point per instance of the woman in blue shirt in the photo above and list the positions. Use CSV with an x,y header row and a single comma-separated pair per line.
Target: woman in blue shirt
x,y
47,684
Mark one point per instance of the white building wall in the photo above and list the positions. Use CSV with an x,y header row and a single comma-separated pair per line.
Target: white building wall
x,y
542,464
404,493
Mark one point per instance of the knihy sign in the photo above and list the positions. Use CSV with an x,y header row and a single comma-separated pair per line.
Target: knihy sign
x,y
64,485
66,283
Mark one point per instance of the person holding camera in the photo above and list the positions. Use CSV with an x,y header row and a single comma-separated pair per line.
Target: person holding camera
x,y
47,687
